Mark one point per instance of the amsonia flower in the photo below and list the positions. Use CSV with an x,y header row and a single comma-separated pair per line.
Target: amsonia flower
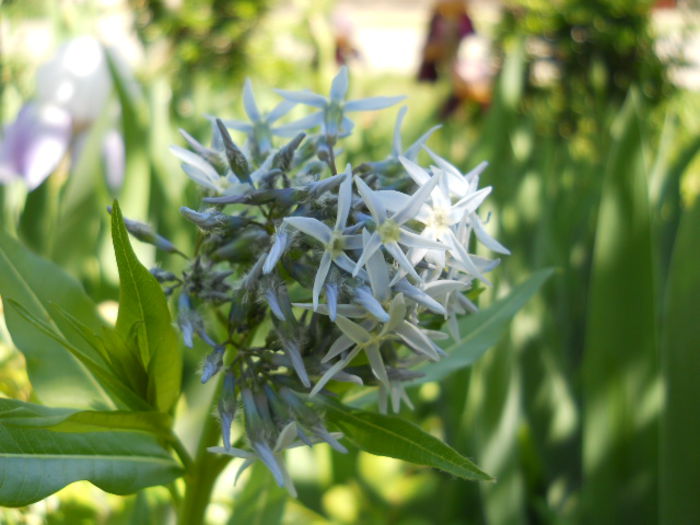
x,y
334,241
332,109
389,231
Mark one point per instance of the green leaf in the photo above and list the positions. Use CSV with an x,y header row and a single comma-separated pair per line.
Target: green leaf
x,y
483,329
397,438
120,393
36,462
19,413
143,308
621,385
261,502
56,375
680,430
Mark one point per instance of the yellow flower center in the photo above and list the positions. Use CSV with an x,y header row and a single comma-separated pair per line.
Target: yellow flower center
x,y
389,231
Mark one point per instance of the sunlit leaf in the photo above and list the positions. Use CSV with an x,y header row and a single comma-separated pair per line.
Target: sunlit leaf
x,y
143,308
36,462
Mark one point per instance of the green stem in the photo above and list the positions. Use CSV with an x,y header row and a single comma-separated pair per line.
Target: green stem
x,y
203,472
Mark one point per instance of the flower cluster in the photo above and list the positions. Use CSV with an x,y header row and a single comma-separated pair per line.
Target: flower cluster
x,y
307,276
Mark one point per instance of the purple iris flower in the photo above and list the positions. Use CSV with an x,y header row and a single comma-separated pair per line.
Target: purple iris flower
x,y
34,144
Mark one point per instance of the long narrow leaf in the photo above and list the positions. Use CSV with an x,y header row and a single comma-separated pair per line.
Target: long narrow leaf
x,y
680,431
398,438
36,462
143,308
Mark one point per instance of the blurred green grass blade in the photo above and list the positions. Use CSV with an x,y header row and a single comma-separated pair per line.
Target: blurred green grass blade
x,y
398,438
37,462
680,430
261,502
621,386
56,376
81,206
143,308
135,191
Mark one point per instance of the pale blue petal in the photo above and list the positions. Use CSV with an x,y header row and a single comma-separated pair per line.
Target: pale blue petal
x,y
279,111
419,175
320,278
339,86
412,152
442,162
397,147
372,103
308,122
472,201
245,127
365,298
346,263
332,300
392,200
344,199
378,273
373,204
485,238
400,257
413,240
303,97
249,105
312,227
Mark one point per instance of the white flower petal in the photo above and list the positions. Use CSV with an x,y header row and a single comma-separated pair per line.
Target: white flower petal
x,y
400,257
419,175
485,238
413,240
373,204
410,210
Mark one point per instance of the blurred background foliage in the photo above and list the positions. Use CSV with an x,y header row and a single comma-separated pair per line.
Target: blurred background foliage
x,y
586,412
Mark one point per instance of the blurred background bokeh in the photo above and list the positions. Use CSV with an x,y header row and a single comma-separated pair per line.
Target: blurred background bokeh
x,y
588,112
